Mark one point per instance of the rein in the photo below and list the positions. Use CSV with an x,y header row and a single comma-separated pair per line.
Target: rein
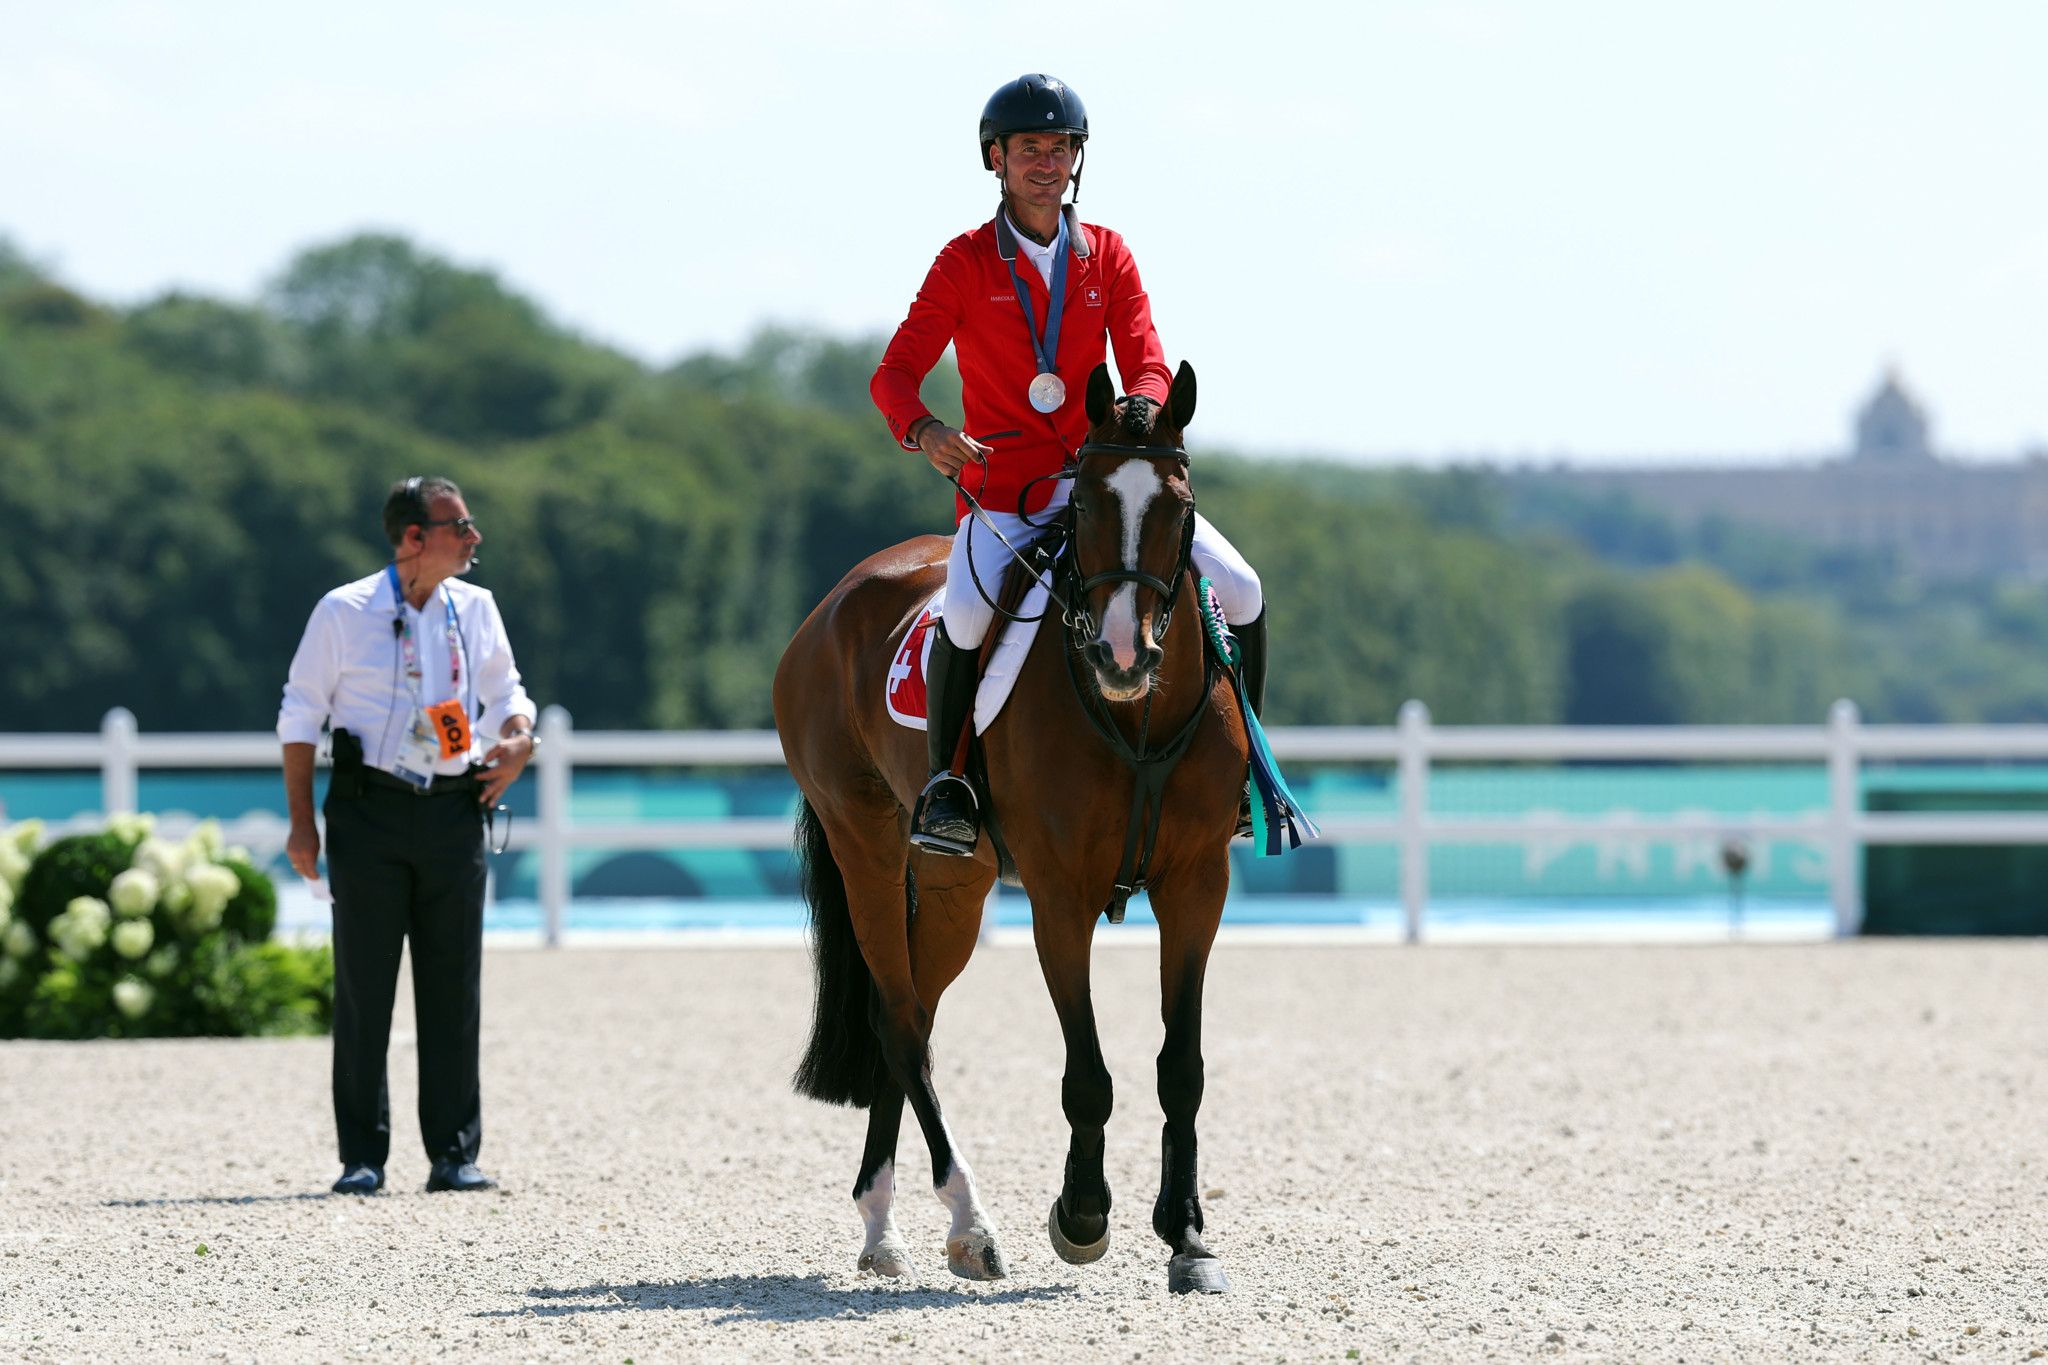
x,y
1033,564
1075,613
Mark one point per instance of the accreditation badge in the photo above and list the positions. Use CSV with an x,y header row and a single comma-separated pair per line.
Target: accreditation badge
x,y
416,753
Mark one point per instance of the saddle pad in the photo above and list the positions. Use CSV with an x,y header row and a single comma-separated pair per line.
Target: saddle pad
x,y
906,693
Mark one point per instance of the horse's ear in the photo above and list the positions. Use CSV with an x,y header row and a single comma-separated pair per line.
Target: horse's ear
x,y
1180,403
1101,396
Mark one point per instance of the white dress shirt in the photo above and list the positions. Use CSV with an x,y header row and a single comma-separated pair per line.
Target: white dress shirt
x,y
1042,256
349,669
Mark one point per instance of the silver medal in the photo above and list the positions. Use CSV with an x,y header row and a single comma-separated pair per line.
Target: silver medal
x,y
1048,392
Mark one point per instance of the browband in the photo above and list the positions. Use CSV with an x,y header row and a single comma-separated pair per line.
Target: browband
x,y
1116,448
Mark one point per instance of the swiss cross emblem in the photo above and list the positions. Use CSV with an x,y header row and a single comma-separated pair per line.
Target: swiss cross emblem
x,y
1093,296
905,692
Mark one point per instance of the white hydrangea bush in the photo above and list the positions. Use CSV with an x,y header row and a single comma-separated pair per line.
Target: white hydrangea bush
x,y
129,932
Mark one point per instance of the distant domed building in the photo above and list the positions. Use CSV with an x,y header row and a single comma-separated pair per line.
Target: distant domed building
x,y
1942,519
1892,425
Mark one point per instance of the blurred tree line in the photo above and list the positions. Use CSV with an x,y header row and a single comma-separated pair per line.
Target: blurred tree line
x,y
181,480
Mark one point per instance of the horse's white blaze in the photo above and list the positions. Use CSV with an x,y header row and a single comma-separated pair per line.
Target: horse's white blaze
x,y
1120,626
1135,484
957,1193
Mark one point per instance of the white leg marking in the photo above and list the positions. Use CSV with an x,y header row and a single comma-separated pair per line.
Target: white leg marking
x,y
958,1194
971,1250
885,1252
1135,484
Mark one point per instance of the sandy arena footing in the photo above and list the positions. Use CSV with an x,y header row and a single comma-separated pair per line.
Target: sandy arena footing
x,y
1829,1151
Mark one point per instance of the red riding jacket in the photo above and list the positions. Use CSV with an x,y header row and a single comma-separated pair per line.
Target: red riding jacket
x,y
970,300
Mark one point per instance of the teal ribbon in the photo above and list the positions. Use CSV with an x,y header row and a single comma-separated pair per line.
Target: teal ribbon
x,y
1278,820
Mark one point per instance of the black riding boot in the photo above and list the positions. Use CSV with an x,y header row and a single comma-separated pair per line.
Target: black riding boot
x,y
1251,648
947,818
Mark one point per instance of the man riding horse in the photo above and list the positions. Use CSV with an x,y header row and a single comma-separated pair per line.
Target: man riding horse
x,y
1027,333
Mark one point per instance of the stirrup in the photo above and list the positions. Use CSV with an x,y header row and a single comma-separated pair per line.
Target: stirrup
x,y
951,832
1244,828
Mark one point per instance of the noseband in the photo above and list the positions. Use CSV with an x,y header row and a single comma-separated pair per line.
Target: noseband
x,y
1080,624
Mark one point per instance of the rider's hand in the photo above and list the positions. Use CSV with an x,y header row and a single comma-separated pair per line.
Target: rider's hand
x,y
950,449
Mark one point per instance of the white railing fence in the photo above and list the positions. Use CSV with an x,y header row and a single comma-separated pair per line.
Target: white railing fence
x,y
1413,746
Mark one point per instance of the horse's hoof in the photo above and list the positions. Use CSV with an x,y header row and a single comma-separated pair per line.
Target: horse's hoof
x,y
1074,1253
888,1257
1196,1275
975,1256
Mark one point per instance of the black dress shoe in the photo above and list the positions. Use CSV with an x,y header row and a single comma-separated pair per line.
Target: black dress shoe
x,y
358,1179
458,1175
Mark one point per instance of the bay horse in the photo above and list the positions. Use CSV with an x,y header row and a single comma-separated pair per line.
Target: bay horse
x,y
892,927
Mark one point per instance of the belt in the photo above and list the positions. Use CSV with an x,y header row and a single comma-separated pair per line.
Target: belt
x,y
447,784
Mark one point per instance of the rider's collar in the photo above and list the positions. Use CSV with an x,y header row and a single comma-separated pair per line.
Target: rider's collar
x,y
1006,236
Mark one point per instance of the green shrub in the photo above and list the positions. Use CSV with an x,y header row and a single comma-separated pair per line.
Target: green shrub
x,y
121,935
252,914
78,865
72,1001
16,984
268,989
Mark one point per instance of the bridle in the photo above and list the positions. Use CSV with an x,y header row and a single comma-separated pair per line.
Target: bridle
x,y
1080,624
1150,766
1064,585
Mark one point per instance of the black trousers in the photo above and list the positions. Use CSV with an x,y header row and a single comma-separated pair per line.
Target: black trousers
x,y
405,866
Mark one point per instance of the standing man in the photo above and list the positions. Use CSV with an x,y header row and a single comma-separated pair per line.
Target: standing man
x,y
1030,301
410,665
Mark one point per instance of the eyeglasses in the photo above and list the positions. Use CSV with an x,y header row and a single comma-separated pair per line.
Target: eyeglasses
x,y
463,525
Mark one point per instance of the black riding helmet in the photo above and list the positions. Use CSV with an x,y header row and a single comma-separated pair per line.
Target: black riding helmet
x,y
1036,103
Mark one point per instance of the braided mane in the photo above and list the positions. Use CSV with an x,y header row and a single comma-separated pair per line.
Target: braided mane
x,y
1135,418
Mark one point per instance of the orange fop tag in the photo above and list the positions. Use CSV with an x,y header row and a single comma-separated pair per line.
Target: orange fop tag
x,y
450,724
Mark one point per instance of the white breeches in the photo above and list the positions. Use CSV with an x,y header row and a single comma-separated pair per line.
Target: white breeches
x,y
968,613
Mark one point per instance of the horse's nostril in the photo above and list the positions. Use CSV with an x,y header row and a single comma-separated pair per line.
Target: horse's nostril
x,y
1153,655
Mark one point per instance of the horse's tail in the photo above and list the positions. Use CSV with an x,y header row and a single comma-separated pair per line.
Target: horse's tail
x,y
843,1063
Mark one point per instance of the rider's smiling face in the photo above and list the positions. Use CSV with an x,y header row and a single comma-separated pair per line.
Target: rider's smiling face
x,y
1035,167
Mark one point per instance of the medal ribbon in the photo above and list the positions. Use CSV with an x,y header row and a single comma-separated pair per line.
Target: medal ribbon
x,y
1047,345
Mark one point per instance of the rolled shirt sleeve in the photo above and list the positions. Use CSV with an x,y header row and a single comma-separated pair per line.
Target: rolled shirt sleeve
x,y
315,673
499,693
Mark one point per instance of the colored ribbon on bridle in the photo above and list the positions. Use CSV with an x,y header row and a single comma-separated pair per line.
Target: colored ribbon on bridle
x,y
1276,811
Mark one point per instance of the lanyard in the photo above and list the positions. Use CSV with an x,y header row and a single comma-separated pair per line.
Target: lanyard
x,y
410,650
1047,345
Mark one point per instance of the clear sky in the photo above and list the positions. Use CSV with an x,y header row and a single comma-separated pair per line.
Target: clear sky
x,y
1601,230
